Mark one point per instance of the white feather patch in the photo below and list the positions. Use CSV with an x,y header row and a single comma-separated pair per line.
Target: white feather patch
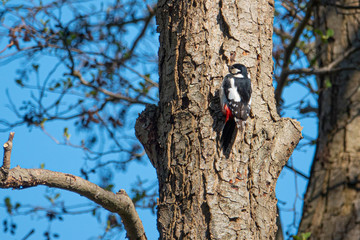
x,y
239,75
233,94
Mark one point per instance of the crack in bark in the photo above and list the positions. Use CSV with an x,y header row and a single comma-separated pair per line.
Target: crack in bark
x,y
206,209
224,26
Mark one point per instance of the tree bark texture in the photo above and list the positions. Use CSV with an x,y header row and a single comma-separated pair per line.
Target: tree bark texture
x,y
204,193
332,202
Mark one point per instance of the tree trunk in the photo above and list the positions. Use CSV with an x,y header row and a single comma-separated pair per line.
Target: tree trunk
x,y
204,194
332,202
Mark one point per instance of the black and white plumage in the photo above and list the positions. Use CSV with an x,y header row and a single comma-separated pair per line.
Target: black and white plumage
x,y
235,99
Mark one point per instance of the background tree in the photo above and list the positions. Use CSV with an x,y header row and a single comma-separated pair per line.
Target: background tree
x,y
331,207
326,36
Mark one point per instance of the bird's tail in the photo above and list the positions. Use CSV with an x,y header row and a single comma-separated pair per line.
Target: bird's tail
x,y
240,124
227,133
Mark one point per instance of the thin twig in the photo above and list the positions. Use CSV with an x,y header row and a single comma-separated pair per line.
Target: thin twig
x,y
141,34
146,78
32,231
329,68
7,46
289,50
346,7
7,151
296,171
104,91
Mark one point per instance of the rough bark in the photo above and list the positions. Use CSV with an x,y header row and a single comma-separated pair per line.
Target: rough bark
x,y
332,205
205,194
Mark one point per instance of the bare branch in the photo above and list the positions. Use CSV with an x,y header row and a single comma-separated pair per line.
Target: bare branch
x,y
293,10
7,152
296,171
329,68
7,46
141,34
309,109
289,50
146,78
119,203
345,7
106,92
29,234
282,33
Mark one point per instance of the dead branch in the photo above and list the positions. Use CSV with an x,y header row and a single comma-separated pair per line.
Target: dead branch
x,y
7,151
119,203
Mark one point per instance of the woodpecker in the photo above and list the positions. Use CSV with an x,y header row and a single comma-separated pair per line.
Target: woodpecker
x,y
235,99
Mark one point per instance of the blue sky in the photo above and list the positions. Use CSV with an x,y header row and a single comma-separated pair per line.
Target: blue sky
x,y
31,149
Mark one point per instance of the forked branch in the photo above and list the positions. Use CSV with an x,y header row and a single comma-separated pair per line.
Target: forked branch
x,y
119,203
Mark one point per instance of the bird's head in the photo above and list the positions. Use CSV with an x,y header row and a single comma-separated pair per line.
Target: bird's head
x,y
239,71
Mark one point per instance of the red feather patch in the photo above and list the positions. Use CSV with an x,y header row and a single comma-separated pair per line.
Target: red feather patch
x,y
227,113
